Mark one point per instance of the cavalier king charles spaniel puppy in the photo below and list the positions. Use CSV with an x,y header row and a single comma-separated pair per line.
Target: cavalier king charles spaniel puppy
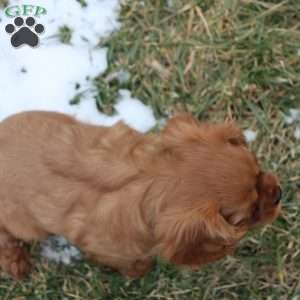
x,y
188,194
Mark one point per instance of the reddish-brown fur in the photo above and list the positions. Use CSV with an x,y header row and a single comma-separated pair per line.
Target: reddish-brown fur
x,y
188,194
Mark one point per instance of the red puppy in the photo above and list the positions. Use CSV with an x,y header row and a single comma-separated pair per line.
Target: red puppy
x,y
189,194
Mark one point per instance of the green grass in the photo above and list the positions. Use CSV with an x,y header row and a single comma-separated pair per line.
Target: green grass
x,y
216,59
65,34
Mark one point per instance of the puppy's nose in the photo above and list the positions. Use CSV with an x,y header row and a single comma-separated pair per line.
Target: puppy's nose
x,y
278,195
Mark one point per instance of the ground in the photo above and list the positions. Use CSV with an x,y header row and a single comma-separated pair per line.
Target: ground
x,y
216,59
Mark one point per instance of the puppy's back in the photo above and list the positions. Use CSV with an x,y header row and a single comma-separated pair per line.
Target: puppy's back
x,y
33,195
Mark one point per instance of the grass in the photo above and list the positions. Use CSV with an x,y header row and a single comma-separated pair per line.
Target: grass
x,y
64,34
216,59
3,3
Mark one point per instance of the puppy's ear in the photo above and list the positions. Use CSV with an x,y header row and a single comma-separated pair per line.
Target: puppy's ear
x,y
196,237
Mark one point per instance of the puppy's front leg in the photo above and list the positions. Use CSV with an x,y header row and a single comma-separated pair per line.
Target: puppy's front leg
x,y
14,259
137,269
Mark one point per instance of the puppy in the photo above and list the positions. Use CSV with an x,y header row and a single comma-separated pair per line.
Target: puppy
x,y
188,195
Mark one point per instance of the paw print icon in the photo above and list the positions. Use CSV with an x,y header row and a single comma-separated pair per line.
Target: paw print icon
x,y
24,32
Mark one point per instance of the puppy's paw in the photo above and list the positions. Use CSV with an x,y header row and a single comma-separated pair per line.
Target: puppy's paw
x,y
137,269
16,263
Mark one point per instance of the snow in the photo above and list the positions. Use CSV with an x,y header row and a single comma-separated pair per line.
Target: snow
x,y
128,108
59,250
121,75
250,135
297,133
294,116
170,3
49,76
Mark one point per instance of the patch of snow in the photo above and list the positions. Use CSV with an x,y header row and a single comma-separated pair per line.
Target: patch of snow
x,y
294,115
49,76
250,135
134,113
297,133
46,77
129,110
122,76
170,3
59,250
88,23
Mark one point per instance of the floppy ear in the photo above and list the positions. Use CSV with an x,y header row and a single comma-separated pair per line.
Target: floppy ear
x,y
196,237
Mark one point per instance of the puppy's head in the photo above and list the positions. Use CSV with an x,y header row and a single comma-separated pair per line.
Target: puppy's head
x,y
216,192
